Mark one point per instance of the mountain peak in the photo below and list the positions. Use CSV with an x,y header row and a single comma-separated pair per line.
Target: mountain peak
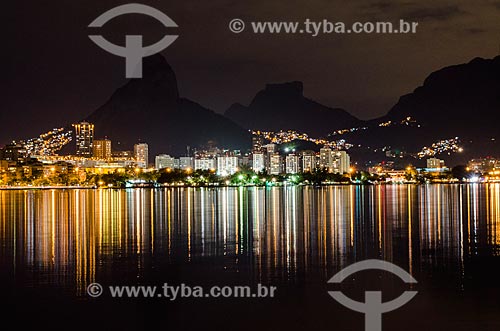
x,y
295,87
284,107
156,67
458,98
150,109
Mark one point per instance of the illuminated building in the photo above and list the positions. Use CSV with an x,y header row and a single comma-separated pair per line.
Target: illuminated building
x,y
326,159
244,161
292,164
334,161
12,152
259,162
84,133
483,165
275,164
186,162
308,161
141,154
434,163
204,163
102,149
342,162
227,165
123,154
270,148
395,176
57,169
257,143
164,161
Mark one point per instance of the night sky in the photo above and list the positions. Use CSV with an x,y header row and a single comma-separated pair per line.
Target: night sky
x,y
54,75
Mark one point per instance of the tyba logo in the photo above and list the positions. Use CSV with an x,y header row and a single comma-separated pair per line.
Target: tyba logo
x,y
134,51
373,307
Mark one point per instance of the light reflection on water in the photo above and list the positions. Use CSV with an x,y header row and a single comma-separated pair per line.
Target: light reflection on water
x,y
70,238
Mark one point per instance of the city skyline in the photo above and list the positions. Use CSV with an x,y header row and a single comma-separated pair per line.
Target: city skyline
x,y
382,135
251,165
269,162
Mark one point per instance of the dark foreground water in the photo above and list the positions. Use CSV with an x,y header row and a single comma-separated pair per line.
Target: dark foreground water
x,y
55,243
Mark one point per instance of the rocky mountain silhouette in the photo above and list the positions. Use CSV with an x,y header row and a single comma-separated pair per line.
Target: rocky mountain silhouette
x,y
284,107
457,101
461,100
150,110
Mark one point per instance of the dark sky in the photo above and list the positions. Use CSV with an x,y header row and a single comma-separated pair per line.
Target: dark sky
x,y
54,75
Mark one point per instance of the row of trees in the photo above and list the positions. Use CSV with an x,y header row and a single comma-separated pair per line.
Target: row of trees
x,y
460,173
73,177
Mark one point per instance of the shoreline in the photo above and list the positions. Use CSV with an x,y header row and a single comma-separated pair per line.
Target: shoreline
x,y
46,188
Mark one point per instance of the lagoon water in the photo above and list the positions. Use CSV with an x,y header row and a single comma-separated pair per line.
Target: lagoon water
x,y
54,243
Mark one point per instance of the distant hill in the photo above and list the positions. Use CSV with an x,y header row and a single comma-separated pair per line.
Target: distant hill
x,y
150,110
284,107
461,100
457,100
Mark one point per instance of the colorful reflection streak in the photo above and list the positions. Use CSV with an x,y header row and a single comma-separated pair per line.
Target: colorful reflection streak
x,y
70,238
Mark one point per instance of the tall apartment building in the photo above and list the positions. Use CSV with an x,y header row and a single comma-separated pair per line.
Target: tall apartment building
x,y
292,164
334,161
309,162
227,165
259,162
275,164
342,162
84,133
257,144
102,149
141,154
326,159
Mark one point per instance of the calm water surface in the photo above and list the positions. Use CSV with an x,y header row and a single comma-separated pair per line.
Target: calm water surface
x,y
56,242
